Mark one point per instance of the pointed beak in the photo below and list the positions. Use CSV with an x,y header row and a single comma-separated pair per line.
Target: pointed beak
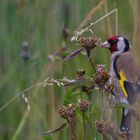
x,y
105,45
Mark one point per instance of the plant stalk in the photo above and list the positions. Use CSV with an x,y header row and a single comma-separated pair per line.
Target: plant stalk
x,y
72,124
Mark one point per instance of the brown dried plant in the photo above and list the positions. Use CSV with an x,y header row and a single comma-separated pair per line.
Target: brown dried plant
x,y
101,76
108,128
84,105
100,79
68,113
87,44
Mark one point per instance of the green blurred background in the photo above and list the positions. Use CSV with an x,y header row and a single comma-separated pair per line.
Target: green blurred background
x,y
40,23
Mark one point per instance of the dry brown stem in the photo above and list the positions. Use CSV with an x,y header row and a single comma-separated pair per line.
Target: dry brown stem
x,y
72,125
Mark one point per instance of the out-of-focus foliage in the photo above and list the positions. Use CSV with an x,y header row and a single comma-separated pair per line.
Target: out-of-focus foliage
x,y
39,25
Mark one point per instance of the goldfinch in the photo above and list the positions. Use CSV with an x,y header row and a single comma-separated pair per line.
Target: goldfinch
x,y
124,76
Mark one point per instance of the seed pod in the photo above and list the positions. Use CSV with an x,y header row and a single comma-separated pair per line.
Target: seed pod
x,y
89,43
100,126
109,128
101,76
84,105
67,111
71,110
105,127
63,112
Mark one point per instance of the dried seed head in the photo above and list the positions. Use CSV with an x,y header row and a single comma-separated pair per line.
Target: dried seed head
x,y
71,110
80,73
105,127
97,41
63,112
84,105
89,43
99,125
101,76
100,68
67,111
82,41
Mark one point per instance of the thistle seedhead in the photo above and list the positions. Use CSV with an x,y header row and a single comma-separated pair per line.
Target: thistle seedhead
x,y
109,128
63,112
100,68
101,76
67,111
89,42
105,126
99,125
84,105
71,110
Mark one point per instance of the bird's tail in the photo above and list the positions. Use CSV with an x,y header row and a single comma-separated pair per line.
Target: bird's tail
x,y
126,121
126,118
133,91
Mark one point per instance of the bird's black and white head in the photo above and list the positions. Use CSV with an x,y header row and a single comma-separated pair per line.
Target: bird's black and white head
x,y
117,44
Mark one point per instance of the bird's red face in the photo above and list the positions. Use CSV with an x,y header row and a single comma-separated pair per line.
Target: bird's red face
x,y
117,44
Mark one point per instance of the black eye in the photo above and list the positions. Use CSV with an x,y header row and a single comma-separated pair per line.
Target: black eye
x,y
112,42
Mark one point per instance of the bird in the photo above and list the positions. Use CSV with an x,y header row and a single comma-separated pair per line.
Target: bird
x,y
124,76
